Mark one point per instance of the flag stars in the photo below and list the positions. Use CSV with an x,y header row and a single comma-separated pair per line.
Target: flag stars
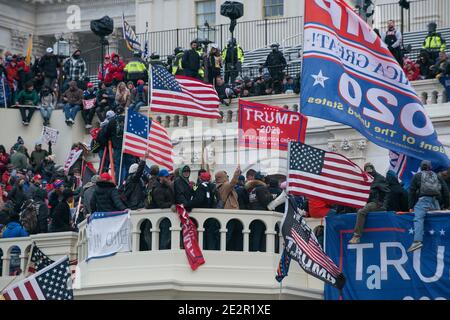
x,y
442,232
431,232
411,231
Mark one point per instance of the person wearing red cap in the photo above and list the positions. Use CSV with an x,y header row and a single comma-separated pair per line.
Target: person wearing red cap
x,y
139,96
89,105
204,195
117,67
106,196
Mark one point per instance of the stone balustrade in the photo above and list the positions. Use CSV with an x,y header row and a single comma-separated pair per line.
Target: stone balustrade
x,y
154,269
429,91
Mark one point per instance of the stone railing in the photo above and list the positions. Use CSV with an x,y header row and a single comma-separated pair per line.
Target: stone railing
x,y
429,91
156,269
14,252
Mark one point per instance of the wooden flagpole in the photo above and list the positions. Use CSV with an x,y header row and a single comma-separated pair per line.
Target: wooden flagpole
x,y
123,142
33,244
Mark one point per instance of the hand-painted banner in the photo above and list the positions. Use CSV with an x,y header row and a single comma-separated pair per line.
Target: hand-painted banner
x,y
380,268
108,233
269,127
349,76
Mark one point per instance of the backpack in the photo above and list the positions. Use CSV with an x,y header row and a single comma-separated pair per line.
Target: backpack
x,y
28,216
102,139
430,184
120,123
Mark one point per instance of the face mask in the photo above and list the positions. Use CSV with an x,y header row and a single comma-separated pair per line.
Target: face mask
x,y
76,56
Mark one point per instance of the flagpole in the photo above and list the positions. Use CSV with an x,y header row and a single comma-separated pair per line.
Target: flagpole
x,y
4,93
123,141
149,101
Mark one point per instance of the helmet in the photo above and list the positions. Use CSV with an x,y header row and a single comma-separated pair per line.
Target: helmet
x,y
137,54
232,41
49,50
178,50
275,45
154,56
432,26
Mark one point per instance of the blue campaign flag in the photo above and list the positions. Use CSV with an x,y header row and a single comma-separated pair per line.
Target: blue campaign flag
x,y
4,92
404,167
380,268
349,76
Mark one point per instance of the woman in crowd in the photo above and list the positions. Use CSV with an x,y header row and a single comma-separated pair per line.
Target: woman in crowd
x,y
123,96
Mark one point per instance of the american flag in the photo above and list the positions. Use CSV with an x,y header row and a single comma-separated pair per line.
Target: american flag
x,y
182,95
40,260
137,140
51,283
301,245
328,176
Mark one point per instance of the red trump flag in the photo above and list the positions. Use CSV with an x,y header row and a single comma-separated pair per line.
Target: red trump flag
x,y
269,127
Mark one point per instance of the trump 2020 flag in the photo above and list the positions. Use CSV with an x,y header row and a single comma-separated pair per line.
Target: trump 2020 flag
x,y
349,76
301,245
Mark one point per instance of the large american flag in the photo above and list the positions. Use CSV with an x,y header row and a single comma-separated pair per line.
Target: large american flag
x,y
301,245
328,176
141,135
51,283
182,95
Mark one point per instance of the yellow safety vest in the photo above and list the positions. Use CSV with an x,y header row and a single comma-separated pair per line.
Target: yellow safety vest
x,y
177,63
434,42
135,66
201,71
240,53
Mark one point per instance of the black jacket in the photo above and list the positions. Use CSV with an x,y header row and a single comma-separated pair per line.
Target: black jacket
x,y
378,189
275,191
204,196
133,191
17,196
414,192
163,196
183,192
48,65
106,198
114,131
242,197
397,197
61,218
191,60
259,195
276,63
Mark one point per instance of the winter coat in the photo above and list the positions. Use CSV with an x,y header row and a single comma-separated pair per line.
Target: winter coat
x,y
114,131
226,190
242,195
17,196
12,73
183,192
14,230
275,191
27,98
415,194
61,218
74,96
259,195
49,65
86,196
163,196
116,69
19,160
106,198
397,197
36,159
276,63
4,160
378,189
53,201
191,60
204,196
132,192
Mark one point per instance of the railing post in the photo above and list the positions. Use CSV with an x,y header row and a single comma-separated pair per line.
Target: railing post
x,y
175,237
270,241
200,231
178,38
154,232
246,233
223,239
265,32
135,241
5,269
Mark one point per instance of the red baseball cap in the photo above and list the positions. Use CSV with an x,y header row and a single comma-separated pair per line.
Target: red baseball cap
x,y
205,176
90,85
37,177
140,82
105,176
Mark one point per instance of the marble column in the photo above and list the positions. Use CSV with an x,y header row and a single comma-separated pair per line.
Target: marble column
x,y
114,40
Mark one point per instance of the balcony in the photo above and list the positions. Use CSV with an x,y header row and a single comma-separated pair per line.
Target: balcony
x,y
160,270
